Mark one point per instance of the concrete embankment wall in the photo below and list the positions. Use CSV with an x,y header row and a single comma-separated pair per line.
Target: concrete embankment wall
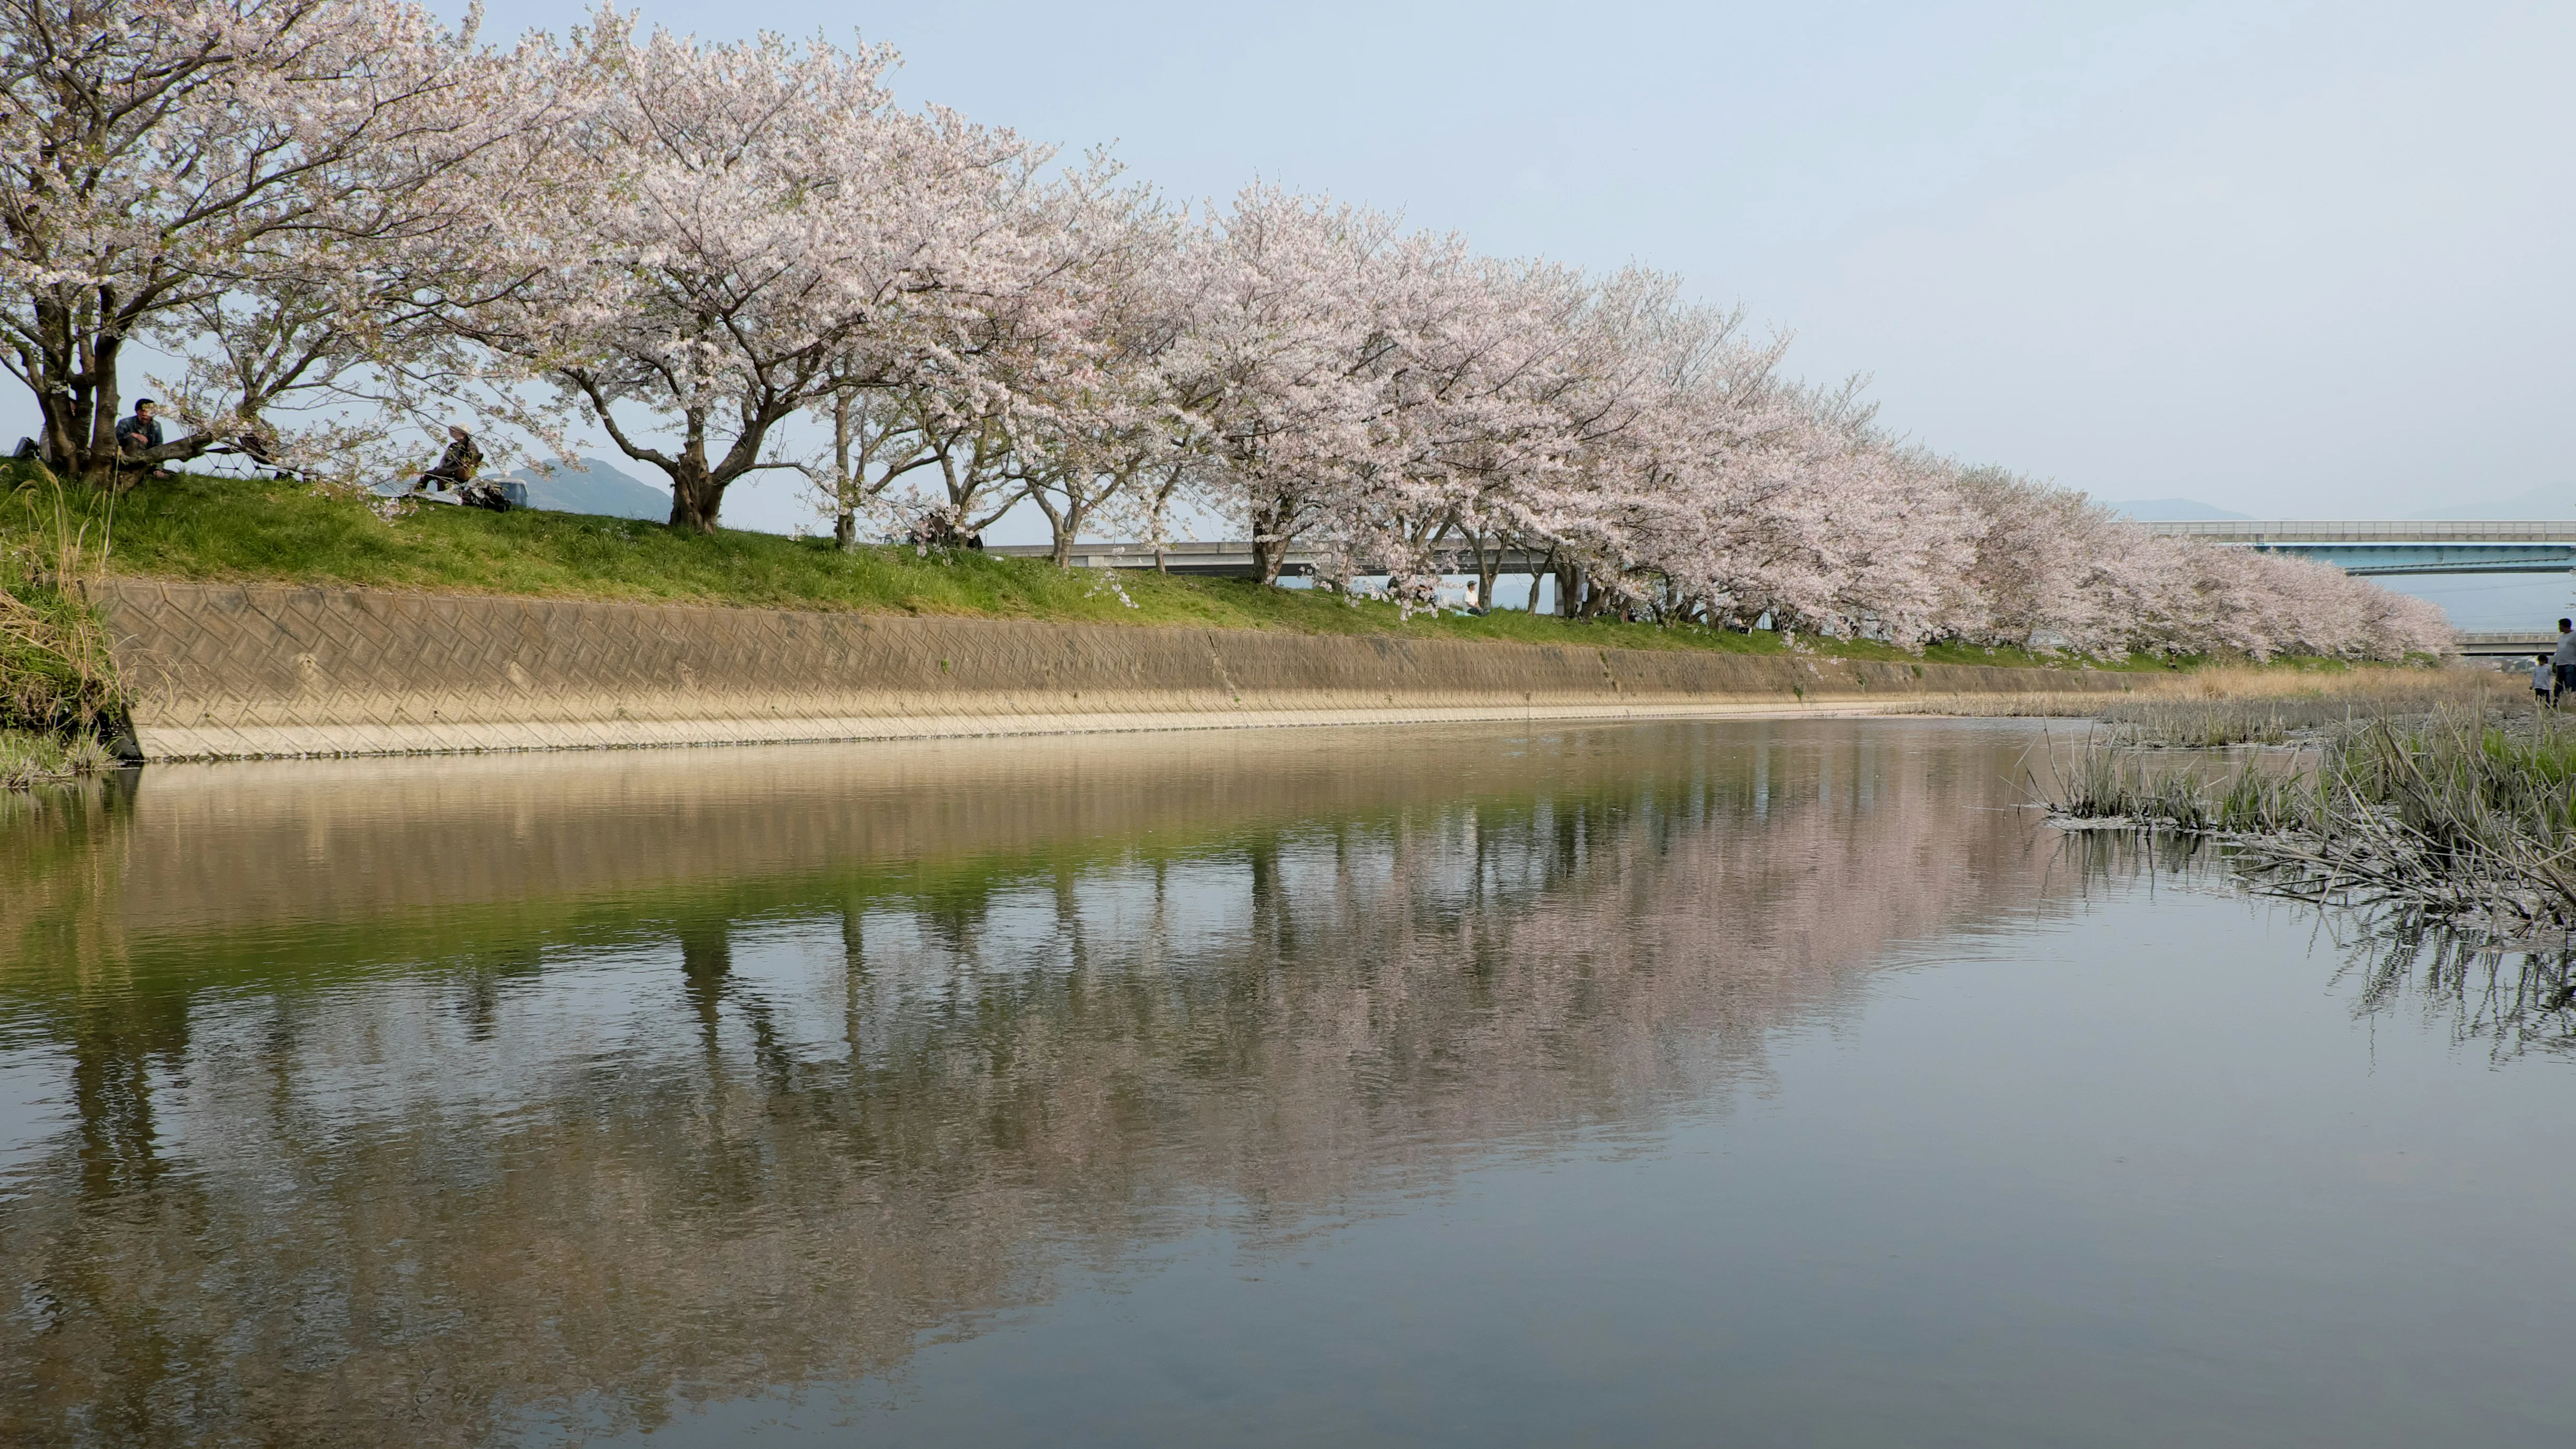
x,y
231,670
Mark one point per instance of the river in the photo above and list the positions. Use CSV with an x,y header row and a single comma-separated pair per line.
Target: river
x,y
1780,1082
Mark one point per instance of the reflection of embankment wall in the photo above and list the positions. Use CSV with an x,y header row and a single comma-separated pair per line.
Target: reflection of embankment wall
x,y
223,670
781,1148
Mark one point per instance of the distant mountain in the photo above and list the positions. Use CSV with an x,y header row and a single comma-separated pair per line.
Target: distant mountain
x,y
2549,500
2173,510
594,487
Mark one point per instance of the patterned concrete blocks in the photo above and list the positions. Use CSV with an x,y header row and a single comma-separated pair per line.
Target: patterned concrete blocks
x,y
228,670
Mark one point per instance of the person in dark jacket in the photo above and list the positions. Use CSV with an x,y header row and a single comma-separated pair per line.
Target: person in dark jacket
x,y
141,431
455,467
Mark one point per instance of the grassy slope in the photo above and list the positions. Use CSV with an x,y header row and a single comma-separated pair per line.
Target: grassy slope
x,y
200,528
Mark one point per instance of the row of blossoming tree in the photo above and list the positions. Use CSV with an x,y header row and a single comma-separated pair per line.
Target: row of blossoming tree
x,y
349,220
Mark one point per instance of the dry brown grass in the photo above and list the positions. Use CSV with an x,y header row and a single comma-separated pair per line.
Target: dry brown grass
x,y
2250,704
2460,816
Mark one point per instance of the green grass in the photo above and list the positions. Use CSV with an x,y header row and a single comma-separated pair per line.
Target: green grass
x,y
54,667
30,757
192,527
56,673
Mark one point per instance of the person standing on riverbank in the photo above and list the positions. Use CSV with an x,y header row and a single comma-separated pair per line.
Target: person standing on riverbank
x,y
2563,663
2544,679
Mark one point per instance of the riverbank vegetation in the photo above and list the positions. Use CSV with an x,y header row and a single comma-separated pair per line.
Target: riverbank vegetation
x,y
2221,704
57,678
2466,817
353,222
28,757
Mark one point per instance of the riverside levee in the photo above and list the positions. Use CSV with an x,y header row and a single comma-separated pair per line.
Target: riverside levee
x,y
239,670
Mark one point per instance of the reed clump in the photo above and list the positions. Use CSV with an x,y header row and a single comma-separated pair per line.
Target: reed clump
x,y
57,675
28,759
2462,815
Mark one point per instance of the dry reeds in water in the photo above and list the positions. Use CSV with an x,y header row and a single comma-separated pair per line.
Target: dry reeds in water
x,y
2449,816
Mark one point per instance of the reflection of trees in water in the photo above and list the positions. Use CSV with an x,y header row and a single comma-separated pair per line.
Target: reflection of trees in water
x,y
779,1147
2511,996
64,877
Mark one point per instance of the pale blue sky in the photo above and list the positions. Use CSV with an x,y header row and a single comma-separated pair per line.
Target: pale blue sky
x,y
2292,259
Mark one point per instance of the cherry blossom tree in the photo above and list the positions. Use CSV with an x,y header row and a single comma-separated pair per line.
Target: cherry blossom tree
x,y
1274,366
1109,436
163,162
871,452
346,213
754,223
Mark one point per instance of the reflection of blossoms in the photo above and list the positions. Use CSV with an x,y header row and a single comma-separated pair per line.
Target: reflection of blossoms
x,y
883,1034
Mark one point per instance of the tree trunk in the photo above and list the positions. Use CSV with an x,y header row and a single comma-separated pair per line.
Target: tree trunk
x,y
100,467
1062,528
1538,576
845,513
1596,602
1162,504
1269,549
1569,589
76,397
695,496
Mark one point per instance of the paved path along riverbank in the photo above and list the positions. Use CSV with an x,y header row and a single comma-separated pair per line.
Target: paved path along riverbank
x,y
245,670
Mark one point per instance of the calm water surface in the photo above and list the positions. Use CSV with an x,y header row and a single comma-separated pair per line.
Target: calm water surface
x,y
1741,1083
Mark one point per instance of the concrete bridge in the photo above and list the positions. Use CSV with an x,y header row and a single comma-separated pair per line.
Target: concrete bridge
x,y
2508,644
2368,547
2372,547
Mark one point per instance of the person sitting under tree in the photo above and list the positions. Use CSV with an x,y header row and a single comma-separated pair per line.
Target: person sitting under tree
x,y
139,434
455,467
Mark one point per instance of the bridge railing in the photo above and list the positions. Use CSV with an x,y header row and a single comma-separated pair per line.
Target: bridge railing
x,y
2371,530
2495,644
2370,546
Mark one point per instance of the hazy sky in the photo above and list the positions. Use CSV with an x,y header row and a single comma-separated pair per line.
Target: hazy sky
x,y
2289,259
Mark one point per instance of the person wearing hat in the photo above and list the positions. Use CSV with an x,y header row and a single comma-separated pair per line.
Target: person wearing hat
x,y
456,466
